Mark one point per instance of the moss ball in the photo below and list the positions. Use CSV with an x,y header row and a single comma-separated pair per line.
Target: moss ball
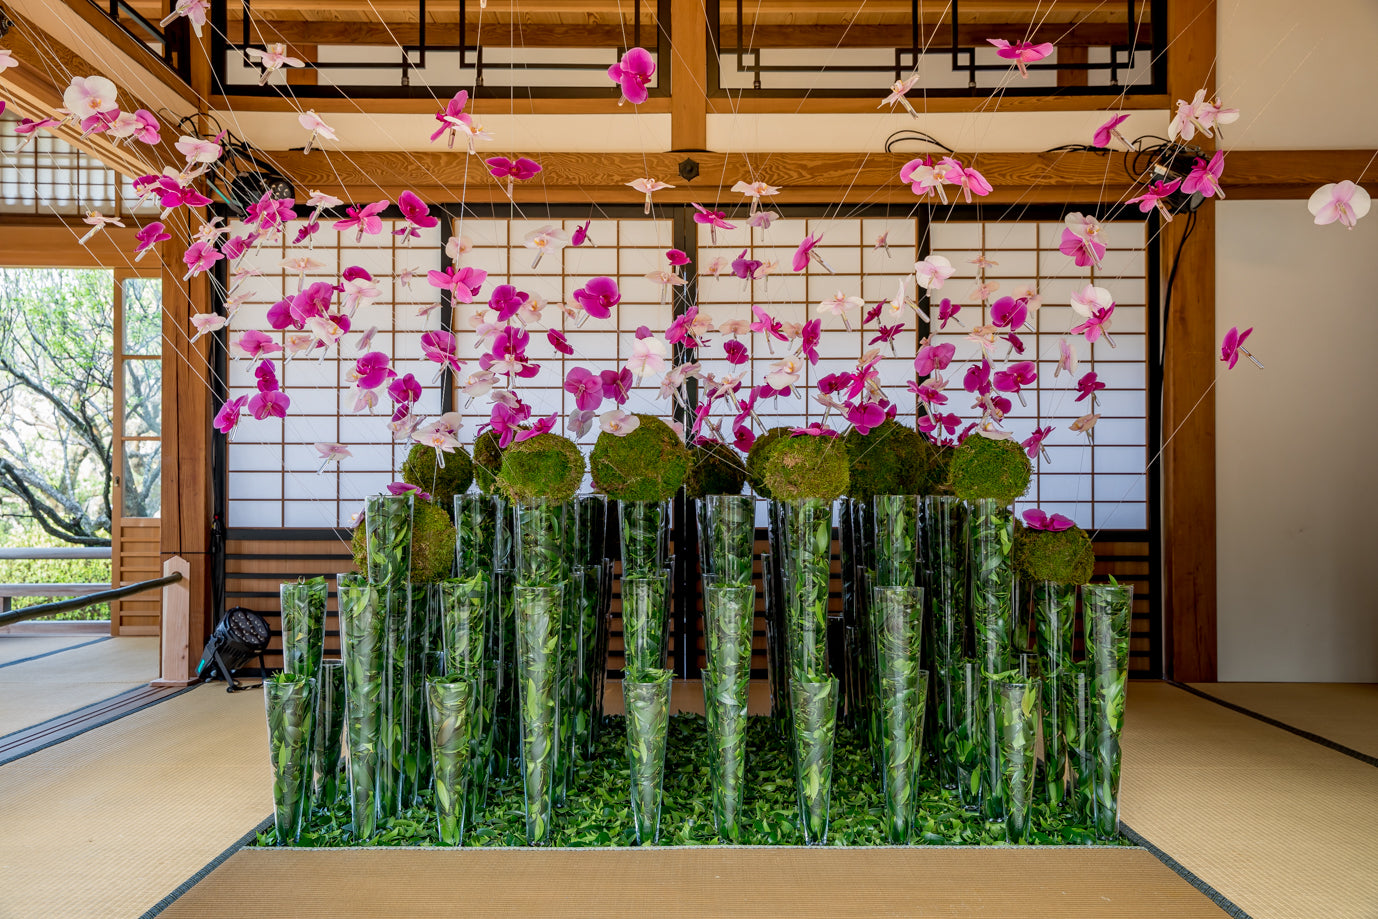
x,y
487,461
758,454
892,460
807,467
649,464
432,544
714,469
545,466
1064,556
985,468
444,482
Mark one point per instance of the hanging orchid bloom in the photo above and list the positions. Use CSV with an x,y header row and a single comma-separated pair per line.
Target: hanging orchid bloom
x,y
462,283
1067,360
451,117
966,178
148,237
1037,520
88,96
1096,325
948,310
1008,313
1091,298
1081,240
473,132
7,60
745,268
1155,196
676,257
254,344
839,304
1022,53
439,435
618,422
312,122
319,201
271,403
195,12
417,215
358,288
301,264
331,453
1110,129
898,91
363,220
714,219
755,191
272,59
649,355
762,220
1089,385
500,167
924,178
1015,377
1204,178
405,276
371,371
228,416
558,341
667,280
932,273
581,235
808,251
633,74
27,127
784,373
97,222
932,358
646,187
545,239
199,257
206,323
198,150
1033,446
985,336
270,213
1084,424
1344,201
1199,114
768,326
1233,346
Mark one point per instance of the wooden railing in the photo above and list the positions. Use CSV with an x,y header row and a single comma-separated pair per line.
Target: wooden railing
x,y
9,592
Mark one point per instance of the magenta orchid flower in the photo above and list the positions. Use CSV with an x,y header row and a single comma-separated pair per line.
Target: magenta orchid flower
x,y
1096,325
816,430
363,220
507,301
767,325
598,297
617,385
930,392
1233,345
1344,202
676,257
404,390
1022,53
558,341
1009,313
1035,519
948,310
1154,197
809,337
966,178
1015,377
172,194
807,252
269,212
440,346
633,74
1033,446
1089,385
736,352
745,268
254,344
1204,178
462,283
1108,130
228,416
586,387
417,214
924,178
716,220
271,403
451,117
518,170
199,257
148,237
581,235
932,358
372,370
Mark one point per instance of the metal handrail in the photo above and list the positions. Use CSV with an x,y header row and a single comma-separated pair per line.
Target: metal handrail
x,y
105,596
45,553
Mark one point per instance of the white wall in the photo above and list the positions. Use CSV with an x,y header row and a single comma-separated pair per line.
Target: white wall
x,y
1297,446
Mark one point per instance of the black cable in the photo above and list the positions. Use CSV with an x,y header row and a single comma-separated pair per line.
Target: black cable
x,y
919,136
1171,277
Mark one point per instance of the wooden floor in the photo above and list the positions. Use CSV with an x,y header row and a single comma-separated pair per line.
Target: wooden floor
x,y
1264,820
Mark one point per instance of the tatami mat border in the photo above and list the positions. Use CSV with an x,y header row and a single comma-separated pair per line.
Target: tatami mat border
x,y
84,644
162,696
1185,873
189,883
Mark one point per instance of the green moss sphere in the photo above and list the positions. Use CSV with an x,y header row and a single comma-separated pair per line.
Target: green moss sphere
x,y
714,469
487,461
758,454
892,459
807,467
649,464
986,468
545,466
442,483
432,544
1064,556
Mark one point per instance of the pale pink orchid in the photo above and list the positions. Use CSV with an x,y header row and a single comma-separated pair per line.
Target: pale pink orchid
x,y
985,336
762,220
1204,178
932,273
479,383
7,60
579,422
633,74
1344,202
314,123
194,11
205,323
366,338
198,150
649,355
255,344
301,264
439,435
898,91
356,290
210,231
924,178
1067,360
329,330
839,304
331,453
1081,240
966,178
87,96
882,243
1084,424
646,187
97,222
735,327
451,117
1199,114
272,58
667,280
405,276
716,267
472,133
298,342
982,292
367,401
1022,53
784,373
545,239
1233,345
755,191
457,246
1108,130
618,422
1091,298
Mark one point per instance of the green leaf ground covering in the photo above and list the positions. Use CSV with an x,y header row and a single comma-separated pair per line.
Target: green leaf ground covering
x,y
598,809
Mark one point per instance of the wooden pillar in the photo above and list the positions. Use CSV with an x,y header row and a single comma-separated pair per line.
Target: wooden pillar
x,y
688,76
1188,462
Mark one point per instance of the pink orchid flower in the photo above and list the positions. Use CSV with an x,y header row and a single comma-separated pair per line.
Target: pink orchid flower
x,y
205,323
199,257
767,325
948,310
440,347
545,239
1344,201
451,117
1022,53
417,214
148,237
1084,424
1199,114
762,220
228,416
646,187
506,301
1035,519
255,344
581,235
519,170
1089,385
1204,177
1067,360
462,283
714,219
898,91
1233,345
1096,325
932,358
649,355
736,352
866,416
198,149
1033,446
1154,197
598,297
1108,130
331,453
363,220
633,74
924,178
618,422
839,304
7,60
807,252
755,191
966,178
194,11
586,388
371,371
933,272
312,122
273,58
269,404
1009,313
676,257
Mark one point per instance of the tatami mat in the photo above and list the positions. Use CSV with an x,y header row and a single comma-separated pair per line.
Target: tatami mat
x,y
105,825
19,647
695,883
1283,827
34,691
1346,713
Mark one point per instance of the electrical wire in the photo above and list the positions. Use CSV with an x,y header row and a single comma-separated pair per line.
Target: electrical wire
x,y
919,136
1167,292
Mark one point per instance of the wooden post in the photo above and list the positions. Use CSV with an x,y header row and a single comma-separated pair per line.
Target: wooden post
x,y
688,76
1188,462
175,655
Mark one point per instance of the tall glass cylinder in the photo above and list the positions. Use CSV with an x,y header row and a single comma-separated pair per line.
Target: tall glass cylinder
x,y
729,620
592,529
645,530
645,621
476,533
303,625
327,748
897,622
539,541
945,543
646,695
991,525
450,707
729,531
1016,734
538,621
288,699
1107,610
583,648
363,617
897,540
464,623
969,732
396,727
388,532
1054,614
777,648
1079,735
814,709
502,654
504,554
807,544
